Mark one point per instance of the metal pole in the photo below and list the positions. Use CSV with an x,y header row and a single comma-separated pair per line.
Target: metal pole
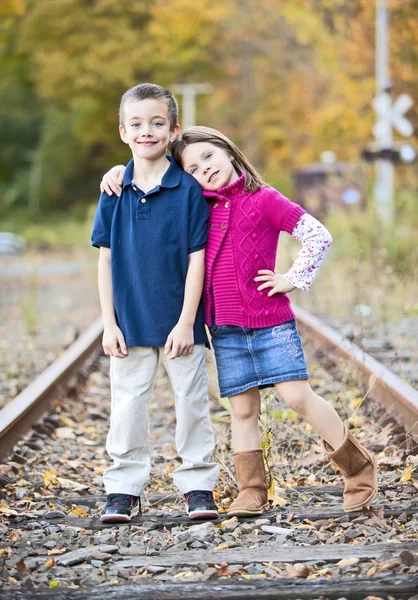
x,y
385,172
189,107
189,92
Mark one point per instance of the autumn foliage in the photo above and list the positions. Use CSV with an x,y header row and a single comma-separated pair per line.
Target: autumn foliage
x,y
291,78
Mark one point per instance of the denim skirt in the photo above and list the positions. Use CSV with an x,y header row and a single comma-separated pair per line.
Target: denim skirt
x,y
247,358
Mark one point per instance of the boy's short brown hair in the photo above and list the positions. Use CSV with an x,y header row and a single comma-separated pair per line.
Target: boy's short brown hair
x,y
145,91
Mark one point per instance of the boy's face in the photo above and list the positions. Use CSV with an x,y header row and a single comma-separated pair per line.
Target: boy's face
x,y
146,128
210,165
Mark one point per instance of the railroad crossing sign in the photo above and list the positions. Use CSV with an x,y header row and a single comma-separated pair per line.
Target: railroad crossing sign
x,y
391,115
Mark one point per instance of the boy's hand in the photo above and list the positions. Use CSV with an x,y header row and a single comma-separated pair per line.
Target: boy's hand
x,y
114,342
277,282
112,181
180,340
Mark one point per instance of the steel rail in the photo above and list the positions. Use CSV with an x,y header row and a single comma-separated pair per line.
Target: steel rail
x,y
20,413
387,389
398,398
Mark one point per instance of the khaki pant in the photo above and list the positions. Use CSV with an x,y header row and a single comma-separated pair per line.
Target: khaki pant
x,y
132,384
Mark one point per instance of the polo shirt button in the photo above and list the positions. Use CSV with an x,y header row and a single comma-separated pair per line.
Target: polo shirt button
x,y
254,235
253,214
143,200
267,312
256,256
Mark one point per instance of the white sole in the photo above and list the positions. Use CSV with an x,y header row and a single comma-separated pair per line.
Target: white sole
x,y
119,518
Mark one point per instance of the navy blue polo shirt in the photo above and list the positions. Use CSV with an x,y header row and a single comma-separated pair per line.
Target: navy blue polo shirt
x,y
151,236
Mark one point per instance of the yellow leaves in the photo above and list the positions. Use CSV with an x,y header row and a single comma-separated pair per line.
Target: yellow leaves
x,y
256,576
50,478
12,7
183,574
54,584
407,474
227,522
78,511
68,422
356,402
50,563
273,497
221,547
14,536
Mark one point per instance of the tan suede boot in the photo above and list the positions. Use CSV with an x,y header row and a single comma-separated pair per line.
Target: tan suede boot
x,y
359,468
252,484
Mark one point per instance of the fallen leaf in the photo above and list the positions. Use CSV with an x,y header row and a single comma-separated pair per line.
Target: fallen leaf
x,y
221,547
78,511
273,497
348,562
407,474
50,478
298,570
65,433
21,567
223,570
50,563
68,483
56,551
227,522
68,422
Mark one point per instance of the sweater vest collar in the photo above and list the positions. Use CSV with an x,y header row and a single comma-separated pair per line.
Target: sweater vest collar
x,y
228,191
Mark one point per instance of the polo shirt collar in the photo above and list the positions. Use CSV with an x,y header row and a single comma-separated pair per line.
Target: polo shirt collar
x,y
171,177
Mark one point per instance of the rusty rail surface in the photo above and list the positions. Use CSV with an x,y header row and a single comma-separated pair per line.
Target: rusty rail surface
x,y
17,417
399,398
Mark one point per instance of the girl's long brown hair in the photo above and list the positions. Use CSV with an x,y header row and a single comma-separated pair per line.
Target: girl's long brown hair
x,y
193,135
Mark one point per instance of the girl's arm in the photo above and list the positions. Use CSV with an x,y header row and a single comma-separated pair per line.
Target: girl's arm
x,y
315,240
112,180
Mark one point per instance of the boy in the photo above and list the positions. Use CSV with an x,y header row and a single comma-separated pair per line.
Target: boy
x,y
151,268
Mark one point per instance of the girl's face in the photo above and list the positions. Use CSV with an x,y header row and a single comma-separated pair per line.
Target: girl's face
x,y
210,165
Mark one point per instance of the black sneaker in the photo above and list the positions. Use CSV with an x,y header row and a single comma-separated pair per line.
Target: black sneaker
x,y
201,505
120,508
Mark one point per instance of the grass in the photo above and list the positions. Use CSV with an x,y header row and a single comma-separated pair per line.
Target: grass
x,y
30,307
61,230
370,275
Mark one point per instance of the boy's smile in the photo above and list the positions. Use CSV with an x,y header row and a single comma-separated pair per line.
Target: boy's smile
x,y
210,165
146,128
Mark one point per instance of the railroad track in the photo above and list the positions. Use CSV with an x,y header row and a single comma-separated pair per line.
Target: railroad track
x,y
305,547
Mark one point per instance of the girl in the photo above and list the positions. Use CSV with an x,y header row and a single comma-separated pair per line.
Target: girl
x,y
249,315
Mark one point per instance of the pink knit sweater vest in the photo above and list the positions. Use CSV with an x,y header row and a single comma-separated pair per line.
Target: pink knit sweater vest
x,y
244,231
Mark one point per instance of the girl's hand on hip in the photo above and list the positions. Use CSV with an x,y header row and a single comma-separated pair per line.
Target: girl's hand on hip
x,y
114,342
112,180
277,282
180,341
